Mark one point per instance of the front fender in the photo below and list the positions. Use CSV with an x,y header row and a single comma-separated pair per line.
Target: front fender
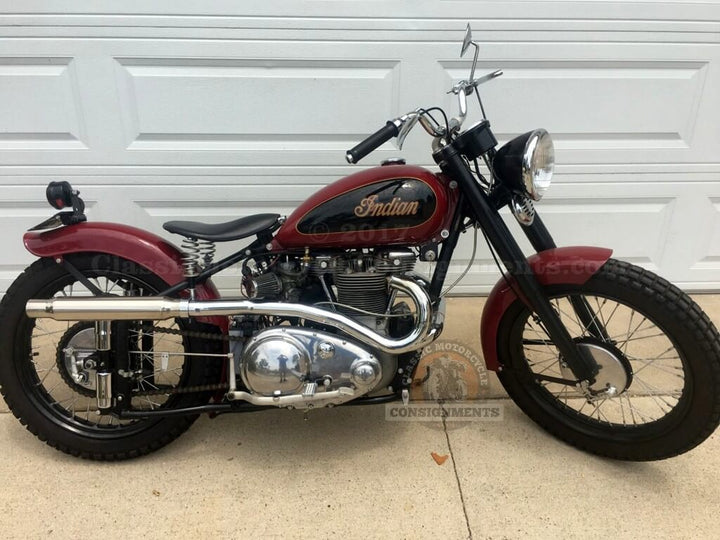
x,y
143,248
573,265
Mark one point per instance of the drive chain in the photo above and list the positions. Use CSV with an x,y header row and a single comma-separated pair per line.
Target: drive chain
x,y
191,333
182,390
186,389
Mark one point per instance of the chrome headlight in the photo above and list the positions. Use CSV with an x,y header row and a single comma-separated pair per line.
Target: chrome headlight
x,y
526,163
538,163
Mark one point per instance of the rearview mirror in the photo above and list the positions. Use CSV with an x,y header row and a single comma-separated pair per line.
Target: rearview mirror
x,y
467,41
465,46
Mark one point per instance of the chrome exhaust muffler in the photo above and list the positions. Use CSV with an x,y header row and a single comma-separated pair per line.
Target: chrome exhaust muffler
x,y
147,308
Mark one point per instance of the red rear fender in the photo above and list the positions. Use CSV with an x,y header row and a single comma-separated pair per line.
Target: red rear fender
x,y
567,265
141,247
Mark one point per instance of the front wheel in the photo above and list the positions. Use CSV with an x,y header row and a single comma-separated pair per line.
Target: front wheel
x,y
658,389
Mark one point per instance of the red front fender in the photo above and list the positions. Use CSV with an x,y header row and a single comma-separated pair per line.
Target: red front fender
x,y
572,265
141,247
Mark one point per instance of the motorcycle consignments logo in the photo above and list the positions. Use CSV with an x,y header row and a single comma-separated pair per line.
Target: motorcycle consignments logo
x,y
450,383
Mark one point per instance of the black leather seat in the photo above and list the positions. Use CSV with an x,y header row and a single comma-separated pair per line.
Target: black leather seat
x,y
224,232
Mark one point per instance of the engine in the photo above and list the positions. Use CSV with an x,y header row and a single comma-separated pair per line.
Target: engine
x,y
353,283
287,360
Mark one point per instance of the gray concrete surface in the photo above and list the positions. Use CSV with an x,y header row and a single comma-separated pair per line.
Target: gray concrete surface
x,y
348,472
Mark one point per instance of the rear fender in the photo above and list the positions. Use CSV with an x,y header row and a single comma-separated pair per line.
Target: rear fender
x,y
141,247
573,265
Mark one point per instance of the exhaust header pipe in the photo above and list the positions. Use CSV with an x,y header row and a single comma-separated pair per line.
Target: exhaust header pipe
x,y
159,308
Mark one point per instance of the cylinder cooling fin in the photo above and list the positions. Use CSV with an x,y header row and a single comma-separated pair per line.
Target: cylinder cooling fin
x,y
362,290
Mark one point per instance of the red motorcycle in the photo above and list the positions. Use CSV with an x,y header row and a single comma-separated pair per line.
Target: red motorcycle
x,y
115,340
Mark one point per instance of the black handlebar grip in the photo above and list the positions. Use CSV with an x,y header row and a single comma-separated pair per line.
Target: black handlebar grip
x,y
381,136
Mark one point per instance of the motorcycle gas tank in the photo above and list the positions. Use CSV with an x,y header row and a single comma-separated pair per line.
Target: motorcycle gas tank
x,y
388,205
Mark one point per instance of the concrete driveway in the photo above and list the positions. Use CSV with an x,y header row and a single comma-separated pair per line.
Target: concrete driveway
x,y
348,472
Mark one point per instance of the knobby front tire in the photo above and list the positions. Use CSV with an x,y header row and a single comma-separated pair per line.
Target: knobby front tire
x,y
667,349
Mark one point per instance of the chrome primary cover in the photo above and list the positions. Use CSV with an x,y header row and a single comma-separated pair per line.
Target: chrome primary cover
x,y
281,361
275,363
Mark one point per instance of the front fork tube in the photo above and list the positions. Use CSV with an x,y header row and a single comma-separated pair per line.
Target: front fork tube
x,y
581,364
541,240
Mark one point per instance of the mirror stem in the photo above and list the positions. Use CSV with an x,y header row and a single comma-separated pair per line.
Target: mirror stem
x,y
475,59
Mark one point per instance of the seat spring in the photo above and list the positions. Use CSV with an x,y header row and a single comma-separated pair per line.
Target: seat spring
x,y
197,254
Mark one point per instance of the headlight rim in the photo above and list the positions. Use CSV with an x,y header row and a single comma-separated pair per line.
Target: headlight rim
x,y
527,169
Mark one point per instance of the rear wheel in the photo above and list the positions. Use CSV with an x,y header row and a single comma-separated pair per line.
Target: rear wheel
x,y
47,367
658,391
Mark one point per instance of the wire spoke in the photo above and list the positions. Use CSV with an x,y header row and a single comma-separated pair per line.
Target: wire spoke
x,y
563,312
612,314
654,392
615,338
664,369
49,371
599,310
637,411
540,351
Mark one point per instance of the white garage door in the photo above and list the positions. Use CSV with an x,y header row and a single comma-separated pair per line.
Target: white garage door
x,y
214,110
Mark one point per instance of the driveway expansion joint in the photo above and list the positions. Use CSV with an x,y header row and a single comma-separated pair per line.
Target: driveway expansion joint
x,y
457,477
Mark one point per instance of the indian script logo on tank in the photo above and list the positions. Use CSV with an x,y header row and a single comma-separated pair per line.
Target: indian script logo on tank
x,y
370,206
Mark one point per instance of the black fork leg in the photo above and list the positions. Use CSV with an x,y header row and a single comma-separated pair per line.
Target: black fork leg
x,y
541,240
580,362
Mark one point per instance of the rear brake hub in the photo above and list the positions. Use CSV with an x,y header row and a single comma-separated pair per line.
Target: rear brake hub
x,y
76,358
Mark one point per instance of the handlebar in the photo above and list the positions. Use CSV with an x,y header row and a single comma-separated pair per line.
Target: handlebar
x,y
381,136
400,127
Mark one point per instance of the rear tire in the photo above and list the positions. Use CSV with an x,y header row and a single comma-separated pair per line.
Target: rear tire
x,y
668,347
61,413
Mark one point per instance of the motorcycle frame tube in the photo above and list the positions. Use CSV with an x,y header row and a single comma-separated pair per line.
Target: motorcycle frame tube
x,y
446,252
234,407
452,163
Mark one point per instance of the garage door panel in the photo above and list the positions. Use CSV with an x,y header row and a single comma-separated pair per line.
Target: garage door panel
x,y
707,264
633,228
278,103
558,94
590,107
40,104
